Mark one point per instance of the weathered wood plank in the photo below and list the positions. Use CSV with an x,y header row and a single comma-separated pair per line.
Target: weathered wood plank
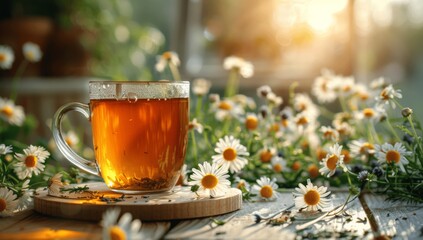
x,y
241,224
396,219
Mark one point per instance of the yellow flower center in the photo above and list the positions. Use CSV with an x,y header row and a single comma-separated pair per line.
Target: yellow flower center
x,y
225,106
321,154
285,122
31,161
116,233
329,134
277,167
2,57
384,95
209,181
2,204
302,121
368,112
366,147
313,171
167,55
69,141
265,156
324,87
302,107
363,96
266,191
296,166
240,185
346,88
251,123
274,128
393,156
7,110
312,197
347,156
332,161
229,154
30,55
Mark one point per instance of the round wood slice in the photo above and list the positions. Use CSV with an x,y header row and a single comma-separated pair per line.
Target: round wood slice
x,y
180,203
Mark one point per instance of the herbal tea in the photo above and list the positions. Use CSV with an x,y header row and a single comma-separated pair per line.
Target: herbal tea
x,y
140,145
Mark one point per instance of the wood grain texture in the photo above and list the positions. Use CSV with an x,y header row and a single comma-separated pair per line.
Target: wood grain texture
x,y
241,225
399,220
180,203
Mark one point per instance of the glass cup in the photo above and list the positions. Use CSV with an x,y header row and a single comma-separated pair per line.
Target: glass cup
x,y
139,132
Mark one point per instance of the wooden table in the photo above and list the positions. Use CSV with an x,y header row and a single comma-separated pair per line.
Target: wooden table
x,y
367,217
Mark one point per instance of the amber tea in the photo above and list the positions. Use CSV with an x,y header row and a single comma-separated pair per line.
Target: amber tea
x,y
139,133
140,145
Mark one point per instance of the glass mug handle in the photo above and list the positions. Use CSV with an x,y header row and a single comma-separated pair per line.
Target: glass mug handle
x,y
64,148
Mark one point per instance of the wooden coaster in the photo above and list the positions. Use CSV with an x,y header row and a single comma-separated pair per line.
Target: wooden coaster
x,y
180,203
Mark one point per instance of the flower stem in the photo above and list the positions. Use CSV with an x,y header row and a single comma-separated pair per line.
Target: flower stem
x,y
392,129
175,72
416,137
232,86
14,92
198,107
194,146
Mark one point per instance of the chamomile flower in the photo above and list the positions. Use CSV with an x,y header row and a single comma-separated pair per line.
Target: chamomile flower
x,y
244,101
201,86
303,104
25,201
244,68
195,125
329,133
71,139
265,188
124,229
183,178
165,58
361,149
31,162
231,154
313,170
278,164
6,57
395,154
241,183
226,109
32,52
311,198
263,91
5,149
301,120
8,202
346,85
54,184
387,95
371,114
274,100
11,113
213,179
378,83
322,88
362,92
251,121
333,159
267,153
